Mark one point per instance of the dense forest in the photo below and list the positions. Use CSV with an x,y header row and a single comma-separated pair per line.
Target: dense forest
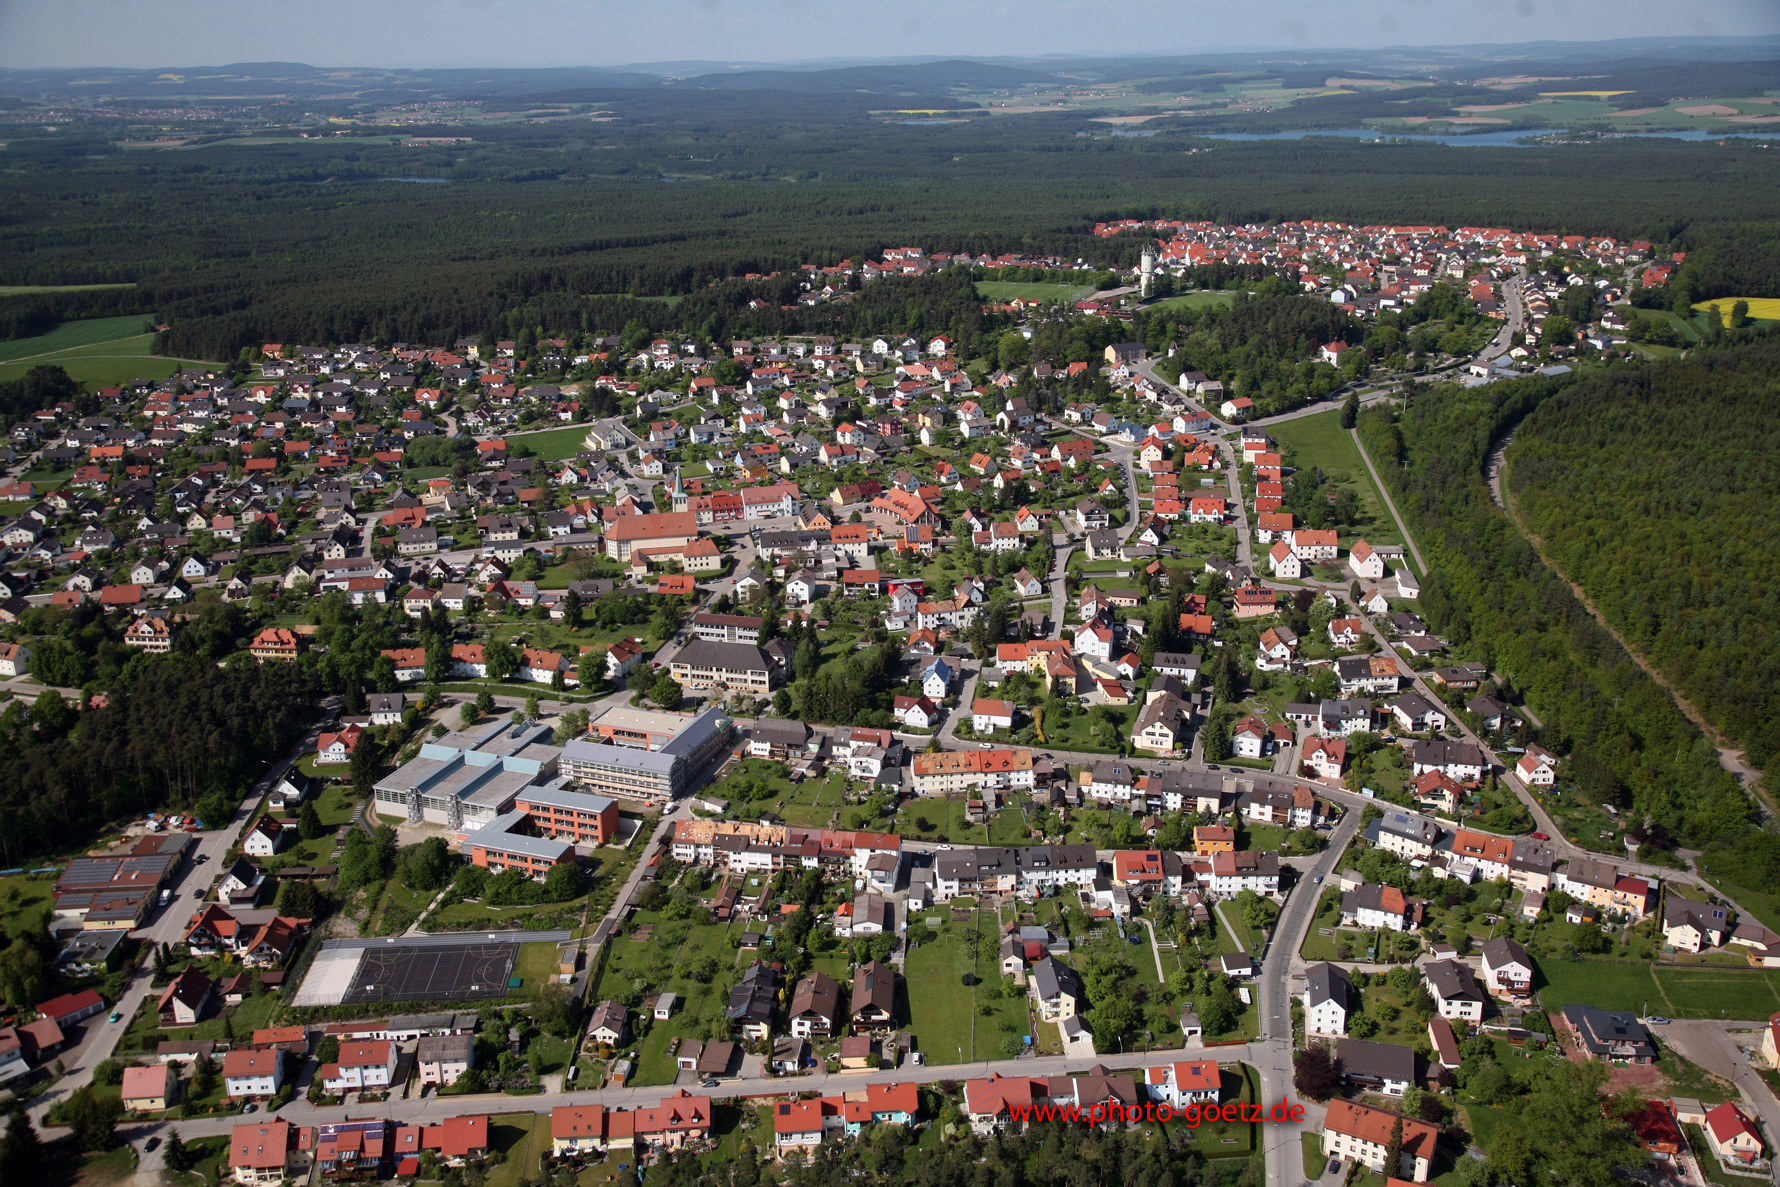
x,y
1654,488
1487,590
180,733
557,224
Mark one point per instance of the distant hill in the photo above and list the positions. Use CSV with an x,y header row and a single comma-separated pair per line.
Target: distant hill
x,y
925,77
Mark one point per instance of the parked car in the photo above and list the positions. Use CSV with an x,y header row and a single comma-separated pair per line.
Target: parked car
x,y
117,1015
1541,837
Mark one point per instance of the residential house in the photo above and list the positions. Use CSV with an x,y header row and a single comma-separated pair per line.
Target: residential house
x,y
1610,1035
609,1024
816,1007
1384,1067
265,1154
253,1073
150,1089
1456,991
1691,926
1537,767
1372,906
365,1064
442,1059
872,1003
188,999
1733,1136
1329,999
1365,1135
1507,969
1461,761
1056,990
1409,836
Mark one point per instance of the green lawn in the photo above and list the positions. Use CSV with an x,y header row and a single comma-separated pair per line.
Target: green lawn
x,y
944,1010
73,334
1321,441
1009,290
1706,993
1595,983
1750,994
513,1134
1200,300
552,444
25,904
943,817
1485,1123
1312,1150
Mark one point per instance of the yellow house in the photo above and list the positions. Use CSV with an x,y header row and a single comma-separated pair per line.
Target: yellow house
x,y
150,1089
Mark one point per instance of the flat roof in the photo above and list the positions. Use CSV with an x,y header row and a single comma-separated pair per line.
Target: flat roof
x,y
497,835
562,797
622,757
643,720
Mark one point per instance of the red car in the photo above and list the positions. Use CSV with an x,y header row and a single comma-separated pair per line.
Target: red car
x,y
1540,837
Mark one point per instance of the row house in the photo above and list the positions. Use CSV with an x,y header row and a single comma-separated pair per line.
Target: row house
x,y
1600,884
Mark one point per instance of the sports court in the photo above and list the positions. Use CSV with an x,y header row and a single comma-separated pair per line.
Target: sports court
x,y
459,972
418,968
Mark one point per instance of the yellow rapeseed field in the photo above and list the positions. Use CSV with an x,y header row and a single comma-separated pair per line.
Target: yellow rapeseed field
x,y
1763,307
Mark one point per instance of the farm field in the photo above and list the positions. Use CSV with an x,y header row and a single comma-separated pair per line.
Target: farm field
x,y
99,351
72,334
25,290
1765,308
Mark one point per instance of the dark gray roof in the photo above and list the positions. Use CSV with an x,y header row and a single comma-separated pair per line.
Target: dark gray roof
x,y
1452,981
1329,982
1052,978
1376,1061
1610,1033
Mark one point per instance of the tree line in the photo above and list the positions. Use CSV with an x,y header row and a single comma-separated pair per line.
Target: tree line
x,y
1651,486
1487,591
181,734
540,225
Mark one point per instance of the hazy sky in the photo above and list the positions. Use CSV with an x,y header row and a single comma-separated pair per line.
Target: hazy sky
x,y
610,32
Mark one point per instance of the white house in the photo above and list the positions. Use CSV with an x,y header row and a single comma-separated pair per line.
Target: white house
x,y
265,838
367,1064
1329,998
1507,969
936,681
1094,641
253,1073
988,715
1456,991
1537,767
1285,563
1364,562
